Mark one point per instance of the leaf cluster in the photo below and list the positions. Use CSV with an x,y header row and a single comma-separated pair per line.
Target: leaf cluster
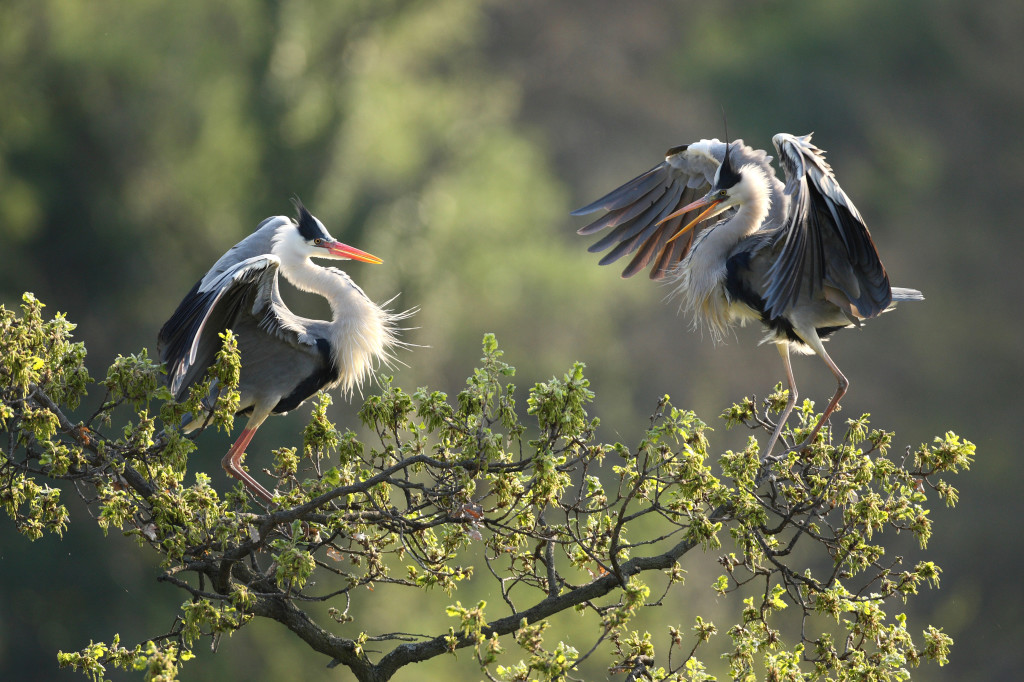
x,y
473,489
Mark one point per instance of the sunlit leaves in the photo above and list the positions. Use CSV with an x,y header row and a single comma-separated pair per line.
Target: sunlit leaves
x,y
450,491
293,564
135,379
35,508
41,353
471,620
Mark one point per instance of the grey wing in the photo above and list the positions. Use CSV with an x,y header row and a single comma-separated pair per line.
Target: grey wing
x,y
635,208
259,243
188,342
823,239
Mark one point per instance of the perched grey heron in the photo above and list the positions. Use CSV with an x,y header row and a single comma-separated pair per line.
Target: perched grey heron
x,y
285,358
797,257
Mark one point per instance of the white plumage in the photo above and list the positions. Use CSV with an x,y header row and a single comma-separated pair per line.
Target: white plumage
x,y
797,257
285,358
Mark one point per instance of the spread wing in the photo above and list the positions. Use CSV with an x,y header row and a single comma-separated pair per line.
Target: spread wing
x,y
188,342
823,239
635,208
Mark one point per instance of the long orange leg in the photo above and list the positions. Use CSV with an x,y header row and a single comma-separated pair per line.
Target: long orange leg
x,y
232,461
783,349
843,385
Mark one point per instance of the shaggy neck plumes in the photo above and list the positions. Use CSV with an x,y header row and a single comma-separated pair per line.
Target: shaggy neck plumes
x,y
700,277
361,333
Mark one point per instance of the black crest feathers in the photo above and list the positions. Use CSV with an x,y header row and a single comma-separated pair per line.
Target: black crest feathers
x,y
309,227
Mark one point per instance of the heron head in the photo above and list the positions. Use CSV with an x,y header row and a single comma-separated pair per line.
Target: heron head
x,y
318,243
726,177
726,191
723,195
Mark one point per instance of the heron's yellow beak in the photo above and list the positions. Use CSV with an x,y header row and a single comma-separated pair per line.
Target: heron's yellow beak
x,y
710,203
339,250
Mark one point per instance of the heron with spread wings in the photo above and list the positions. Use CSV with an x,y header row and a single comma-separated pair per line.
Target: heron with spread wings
x,y
285,358
797,257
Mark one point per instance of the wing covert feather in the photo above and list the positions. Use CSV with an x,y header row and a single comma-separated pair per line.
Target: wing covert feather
x,y
823,239
635,208
189,340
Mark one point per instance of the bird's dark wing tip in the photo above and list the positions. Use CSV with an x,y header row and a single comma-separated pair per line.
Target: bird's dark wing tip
x,y
589,208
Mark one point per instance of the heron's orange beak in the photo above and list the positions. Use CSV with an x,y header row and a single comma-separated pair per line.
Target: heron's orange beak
x,y
339,250
710,203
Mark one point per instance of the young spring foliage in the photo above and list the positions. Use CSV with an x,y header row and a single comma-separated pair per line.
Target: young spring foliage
x,y
529,506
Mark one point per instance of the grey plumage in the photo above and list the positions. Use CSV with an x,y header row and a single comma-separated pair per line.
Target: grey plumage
x,y
285,358
797,256
685,175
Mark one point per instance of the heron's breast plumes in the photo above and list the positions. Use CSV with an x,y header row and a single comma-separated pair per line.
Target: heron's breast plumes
x,y
362,334
365,336
699,280
700,287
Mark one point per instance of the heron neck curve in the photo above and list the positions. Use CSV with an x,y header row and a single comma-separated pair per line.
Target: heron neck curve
x,y
753,204
700,277
361,333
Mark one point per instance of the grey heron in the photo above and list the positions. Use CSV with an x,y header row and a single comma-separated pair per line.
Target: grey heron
x,y
285,358
796,257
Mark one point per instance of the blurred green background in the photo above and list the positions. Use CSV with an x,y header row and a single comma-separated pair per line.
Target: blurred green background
x,y
138,141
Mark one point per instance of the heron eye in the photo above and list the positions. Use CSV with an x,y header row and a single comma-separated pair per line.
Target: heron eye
x,y
318,241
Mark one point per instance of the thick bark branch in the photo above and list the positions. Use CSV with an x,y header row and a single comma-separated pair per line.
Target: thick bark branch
x,y
346,652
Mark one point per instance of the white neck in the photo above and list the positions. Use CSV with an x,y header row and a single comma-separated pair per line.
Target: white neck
x,y
700,278
752,209
332,284
361,333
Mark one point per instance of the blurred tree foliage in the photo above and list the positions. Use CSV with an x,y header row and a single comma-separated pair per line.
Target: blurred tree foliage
x,y
139,140
152,134
560,522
